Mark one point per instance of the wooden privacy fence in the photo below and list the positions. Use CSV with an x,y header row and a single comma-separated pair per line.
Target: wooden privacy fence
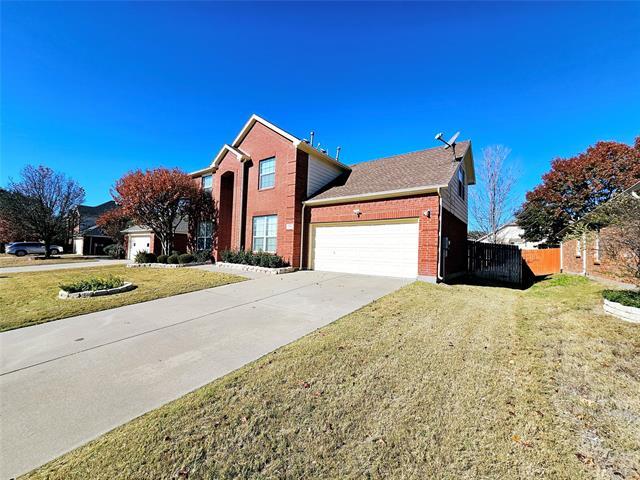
x,y
542,262
495,262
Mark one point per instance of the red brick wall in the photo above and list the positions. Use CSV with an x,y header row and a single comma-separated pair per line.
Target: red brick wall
x,y
262,143
601,265
408,207
228,225
456,231
283,200
571,263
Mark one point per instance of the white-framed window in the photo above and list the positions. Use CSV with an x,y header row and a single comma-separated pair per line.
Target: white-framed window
x,y
205,235
461,182
207,182
596,249
578,248
267,169
265,230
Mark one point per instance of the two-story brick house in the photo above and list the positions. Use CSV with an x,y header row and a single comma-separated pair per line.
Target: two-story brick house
x,y
403,216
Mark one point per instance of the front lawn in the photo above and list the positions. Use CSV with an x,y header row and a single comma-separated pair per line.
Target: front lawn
x,y
429,382
31,298
31,260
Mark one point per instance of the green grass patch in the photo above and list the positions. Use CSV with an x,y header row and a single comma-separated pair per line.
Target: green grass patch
x,y
32,298
429,382
630,298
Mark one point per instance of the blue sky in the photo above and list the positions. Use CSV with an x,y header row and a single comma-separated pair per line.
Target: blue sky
x,y
97,89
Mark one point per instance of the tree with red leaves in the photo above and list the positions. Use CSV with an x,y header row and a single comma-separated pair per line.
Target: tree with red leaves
x,y
112,223
575,186
159,199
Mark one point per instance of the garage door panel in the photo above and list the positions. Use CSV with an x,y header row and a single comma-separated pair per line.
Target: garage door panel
x,y
138,243
389,249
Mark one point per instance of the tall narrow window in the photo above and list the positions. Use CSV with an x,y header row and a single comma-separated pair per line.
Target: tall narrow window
x,y
205,234
578,248
461,182
596,249
267,173
265,231
207,182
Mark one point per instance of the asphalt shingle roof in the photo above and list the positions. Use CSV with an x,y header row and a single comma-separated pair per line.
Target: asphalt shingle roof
x,y
98,209
424,168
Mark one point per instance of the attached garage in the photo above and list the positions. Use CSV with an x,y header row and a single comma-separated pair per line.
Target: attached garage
x,y
138,243
387,248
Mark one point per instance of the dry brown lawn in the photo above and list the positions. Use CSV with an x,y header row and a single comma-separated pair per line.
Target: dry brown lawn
x,y
428,382
32,298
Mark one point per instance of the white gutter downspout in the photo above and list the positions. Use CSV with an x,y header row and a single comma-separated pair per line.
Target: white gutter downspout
x,y
561,256
438,276
302,237
584,254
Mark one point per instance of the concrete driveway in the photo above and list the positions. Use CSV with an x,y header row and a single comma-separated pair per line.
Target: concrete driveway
x,y
66,382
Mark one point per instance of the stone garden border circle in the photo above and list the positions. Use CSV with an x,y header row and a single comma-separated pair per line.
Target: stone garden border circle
x,y
63,294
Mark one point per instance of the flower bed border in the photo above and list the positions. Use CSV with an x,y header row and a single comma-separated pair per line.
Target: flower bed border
x,y
623,312
165,265
63,294
255,268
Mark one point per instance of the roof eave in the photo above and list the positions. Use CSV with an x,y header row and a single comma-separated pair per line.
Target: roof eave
x,y
405,192
471,171
258,119
307,148
203,171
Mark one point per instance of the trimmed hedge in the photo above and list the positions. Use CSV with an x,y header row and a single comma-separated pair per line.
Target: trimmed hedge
x,y
203,256
258,259
173,259
185,258
92,284
163,258
145,257
629,298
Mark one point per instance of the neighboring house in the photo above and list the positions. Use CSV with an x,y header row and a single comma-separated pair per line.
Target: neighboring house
x,y
404,215
510,234
87,238
585,256
140,238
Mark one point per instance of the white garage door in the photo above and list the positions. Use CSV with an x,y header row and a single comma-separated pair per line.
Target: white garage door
x,y
138,243
389,249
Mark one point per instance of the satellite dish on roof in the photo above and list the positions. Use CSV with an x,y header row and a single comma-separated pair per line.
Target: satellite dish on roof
x,y
450,144
452,140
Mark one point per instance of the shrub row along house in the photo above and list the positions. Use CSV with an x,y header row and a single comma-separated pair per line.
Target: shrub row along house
x,y
403,216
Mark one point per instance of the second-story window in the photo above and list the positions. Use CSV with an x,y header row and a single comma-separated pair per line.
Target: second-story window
x,y
207,182
461,182
267,173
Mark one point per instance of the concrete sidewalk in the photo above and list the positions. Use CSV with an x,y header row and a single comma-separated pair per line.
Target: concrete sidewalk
x,y
101,262
64,383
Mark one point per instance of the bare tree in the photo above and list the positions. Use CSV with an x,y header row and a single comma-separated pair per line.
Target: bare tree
x,y
44,201
492,199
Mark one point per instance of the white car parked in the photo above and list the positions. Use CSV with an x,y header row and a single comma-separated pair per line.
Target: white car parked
x,y
20,249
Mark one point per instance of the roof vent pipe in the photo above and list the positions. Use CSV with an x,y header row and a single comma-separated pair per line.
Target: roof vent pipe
x,y
313,134
338,153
